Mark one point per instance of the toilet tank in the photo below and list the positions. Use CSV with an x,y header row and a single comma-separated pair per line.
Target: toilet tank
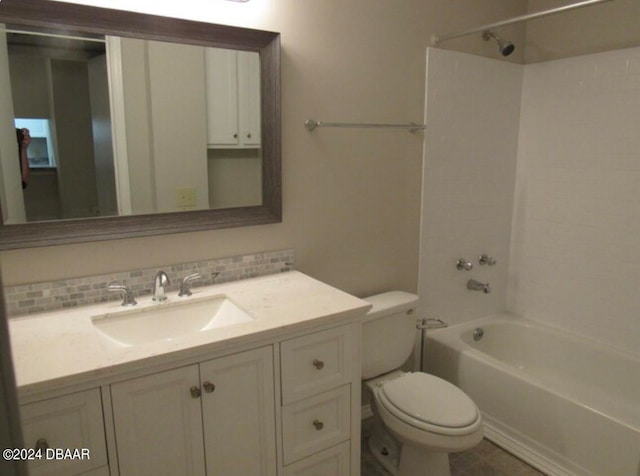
x,y
388,332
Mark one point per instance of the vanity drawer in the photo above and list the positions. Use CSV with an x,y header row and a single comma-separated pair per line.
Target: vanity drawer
x,y
314,363
71,422
316,423
331,462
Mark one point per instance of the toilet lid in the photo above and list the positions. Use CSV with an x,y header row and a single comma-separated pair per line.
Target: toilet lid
x,y
430,400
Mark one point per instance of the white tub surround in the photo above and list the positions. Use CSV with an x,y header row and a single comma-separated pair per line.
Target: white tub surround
x,y
572,125
470,146
564,403
576,218
565,236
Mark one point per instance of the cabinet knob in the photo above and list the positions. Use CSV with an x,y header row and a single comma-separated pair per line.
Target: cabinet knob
x,y
249,135
41,444
318,364
318,425
195,392
209,387
235,136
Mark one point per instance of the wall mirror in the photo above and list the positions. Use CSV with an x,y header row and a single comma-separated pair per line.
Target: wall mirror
x,y
144,124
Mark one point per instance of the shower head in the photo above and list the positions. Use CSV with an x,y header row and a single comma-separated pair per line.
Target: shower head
x,y
505,47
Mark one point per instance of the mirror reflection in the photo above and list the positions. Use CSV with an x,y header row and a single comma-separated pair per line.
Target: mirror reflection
x,y
120,126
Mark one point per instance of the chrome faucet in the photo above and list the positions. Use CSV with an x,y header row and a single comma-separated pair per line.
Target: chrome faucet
x,y
128,298
474,285
185,286
160,282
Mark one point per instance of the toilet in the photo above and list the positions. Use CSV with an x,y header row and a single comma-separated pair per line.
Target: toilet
x,y
420,418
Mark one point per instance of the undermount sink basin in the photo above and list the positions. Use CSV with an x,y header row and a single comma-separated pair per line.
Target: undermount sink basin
x,y
169,320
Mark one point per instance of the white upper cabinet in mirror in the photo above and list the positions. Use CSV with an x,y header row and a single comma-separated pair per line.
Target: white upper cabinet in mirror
x,y
134,149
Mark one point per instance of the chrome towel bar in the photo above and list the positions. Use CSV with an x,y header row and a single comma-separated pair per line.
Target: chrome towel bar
x,y
312,124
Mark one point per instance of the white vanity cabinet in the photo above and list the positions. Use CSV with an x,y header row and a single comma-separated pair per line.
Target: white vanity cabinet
x,y
278,395
334,461
219,417
233,98
216,418
71,422
318,393
288,407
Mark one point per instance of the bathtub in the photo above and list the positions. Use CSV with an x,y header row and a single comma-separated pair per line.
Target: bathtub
x,y
565,404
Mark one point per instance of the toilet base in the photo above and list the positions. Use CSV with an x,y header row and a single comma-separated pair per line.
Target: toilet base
x,y
415,461
385,451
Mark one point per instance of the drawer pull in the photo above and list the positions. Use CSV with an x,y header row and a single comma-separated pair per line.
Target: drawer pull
x,y
195,392
209,387
318,425
41,444
318,364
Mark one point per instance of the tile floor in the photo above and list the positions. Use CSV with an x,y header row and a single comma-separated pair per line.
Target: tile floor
x,y
486,459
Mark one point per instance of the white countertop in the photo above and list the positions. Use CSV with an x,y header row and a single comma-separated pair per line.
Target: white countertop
x,y
62,349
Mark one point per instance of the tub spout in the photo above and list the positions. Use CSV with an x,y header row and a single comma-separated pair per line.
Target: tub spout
x,y
474,285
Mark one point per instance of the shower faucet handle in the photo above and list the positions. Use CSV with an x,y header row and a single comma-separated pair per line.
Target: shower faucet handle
x,y
464,265
486,259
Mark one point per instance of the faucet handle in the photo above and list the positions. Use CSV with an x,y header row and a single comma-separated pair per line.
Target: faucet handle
x,y
185,286
486,259
464,265
128,299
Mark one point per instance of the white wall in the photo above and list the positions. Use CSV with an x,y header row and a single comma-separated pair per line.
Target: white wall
x,y
470,146
576,248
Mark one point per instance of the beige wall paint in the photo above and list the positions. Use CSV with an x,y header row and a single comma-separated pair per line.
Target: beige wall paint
x,y
351,197
603,27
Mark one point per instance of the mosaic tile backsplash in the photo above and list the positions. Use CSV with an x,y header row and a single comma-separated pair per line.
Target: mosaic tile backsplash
x,y
56,295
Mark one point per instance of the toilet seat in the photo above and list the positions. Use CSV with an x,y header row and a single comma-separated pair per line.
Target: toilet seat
x,y
430,403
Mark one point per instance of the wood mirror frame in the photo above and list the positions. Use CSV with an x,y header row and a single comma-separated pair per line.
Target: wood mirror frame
x,y
101,21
